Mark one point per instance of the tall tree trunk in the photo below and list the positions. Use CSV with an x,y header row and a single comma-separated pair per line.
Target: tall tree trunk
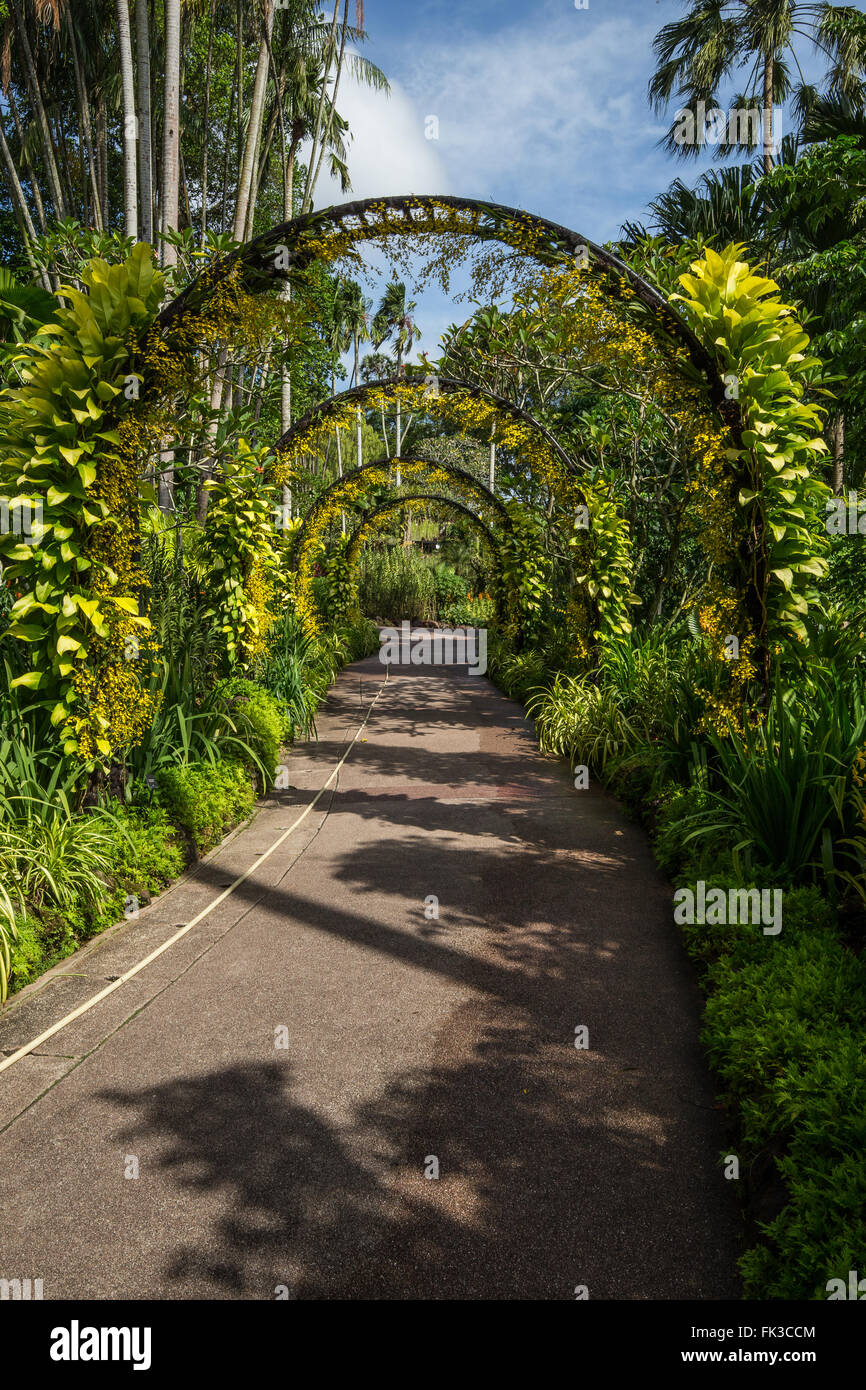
x,y
317,131
171,129
838,437
85,125
769,95
228,144
359,437
254,128
166,481
28,168
205,142
332,105
399,444
130,132
239,84
384,432
102,159
145,124
20,208
35,95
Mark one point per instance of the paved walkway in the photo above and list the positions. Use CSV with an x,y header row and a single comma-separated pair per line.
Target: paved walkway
x,y
409,1039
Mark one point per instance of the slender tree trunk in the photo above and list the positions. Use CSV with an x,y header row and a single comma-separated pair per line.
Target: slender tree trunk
x,y
63,145
166,481
399,444
171,129
185,187
28,168
332,105
359,433
130,133
85,124
102,159
145,125
384,432
769,95
20,208
838,437
205,141
254,127
239,84
38,109
317,131
226,152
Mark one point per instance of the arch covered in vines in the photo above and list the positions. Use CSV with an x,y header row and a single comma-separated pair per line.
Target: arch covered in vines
x,y
733,345
329,234
725,338
374,516
521,569
427,390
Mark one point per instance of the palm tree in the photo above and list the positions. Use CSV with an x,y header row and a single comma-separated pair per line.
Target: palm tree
x,y
716,38
826,117
724,206
325,129
254,126
393,319
35,93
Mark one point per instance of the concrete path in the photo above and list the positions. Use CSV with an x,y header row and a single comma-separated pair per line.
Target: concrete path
x,y
284,1076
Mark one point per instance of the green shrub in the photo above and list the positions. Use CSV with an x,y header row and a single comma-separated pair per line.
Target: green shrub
x,y
298,671
781,791
783,1029
27,954
263,721
145,856
449,587
475,610
206,799
516,673
360,639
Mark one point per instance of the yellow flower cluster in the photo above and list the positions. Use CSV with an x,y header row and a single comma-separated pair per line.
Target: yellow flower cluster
x,y
723,705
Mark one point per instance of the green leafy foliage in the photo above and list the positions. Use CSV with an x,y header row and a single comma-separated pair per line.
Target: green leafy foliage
x,y
58,437
205,799
761,348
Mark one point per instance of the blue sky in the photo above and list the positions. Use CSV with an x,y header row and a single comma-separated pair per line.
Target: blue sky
x,y
539,106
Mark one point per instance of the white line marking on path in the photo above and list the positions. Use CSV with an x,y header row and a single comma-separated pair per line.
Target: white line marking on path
x,y
227,892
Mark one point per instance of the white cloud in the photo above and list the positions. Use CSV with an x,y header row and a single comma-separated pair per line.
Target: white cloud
x,y
550,114
388,153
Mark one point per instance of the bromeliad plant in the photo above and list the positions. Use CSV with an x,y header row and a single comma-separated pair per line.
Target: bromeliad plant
x,y
68,453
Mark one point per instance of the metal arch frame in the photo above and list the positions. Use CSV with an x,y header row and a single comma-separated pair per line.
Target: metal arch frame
x,y
258,269
395,503
490,498
447,385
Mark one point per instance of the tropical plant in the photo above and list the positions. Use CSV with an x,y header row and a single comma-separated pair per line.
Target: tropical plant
x,y
715,38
